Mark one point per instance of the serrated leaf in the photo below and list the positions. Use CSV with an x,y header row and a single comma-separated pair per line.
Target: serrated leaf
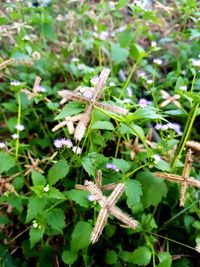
x,y
118,54
79,196
56,219
6,162
70,109
103,125
133,192
54,193
58,171
89,166
37,178
121,164
81,236
153,189
141,256
35,235
35,206
69,257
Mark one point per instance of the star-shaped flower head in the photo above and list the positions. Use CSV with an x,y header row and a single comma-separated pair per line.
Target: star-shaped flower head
x,y
90,96
169,99
183,179
107,205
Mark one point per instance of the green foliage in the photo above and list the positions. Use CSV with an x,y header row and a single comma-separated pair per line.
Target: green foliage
x,y
80,238
141,256
7,162
58,171
152,51
153,189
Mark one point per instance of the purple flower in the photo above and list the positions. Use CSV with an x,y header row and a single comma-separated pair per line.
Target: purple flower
x,y
59,143
143,102
176,127
112,167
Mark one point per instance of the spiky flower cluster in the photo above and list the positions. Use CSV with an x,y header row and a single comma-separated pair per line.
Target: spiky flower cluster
x,y
90,96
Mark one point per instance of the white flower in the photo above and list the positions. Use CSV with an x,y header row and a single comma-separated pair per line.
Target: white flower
x,y
183,87
198,248
26,38
149,81
111,84
81,66
15,83
156,158
19,127
15,136
153,44
158,61
40,89
129,91
112,5
91,198
2,145
103,35
77,150
35,224
196,63
46,188
75,59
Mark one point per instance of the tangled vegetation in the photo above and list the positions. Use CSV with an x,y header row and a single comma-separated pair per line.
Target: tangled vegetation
x,y
99,133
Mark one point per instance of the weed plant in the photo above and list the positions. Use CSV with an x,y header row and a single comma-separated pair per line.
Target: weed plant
x,y
99,133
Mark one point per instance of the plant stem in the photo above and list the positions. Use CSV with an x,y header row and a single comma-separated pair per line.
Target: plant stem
x,y
129,77
188,127
18,123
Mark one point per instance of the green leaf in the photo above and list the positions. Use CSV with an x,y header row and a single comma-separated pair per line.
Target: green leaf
x,y
165,259
58,171
118,54
4,219
153,189
6,162
133,192
36,206
81,236
121,164
89,166
126,37
56,219
145,113
72,108
54,193
137,52
79,196
141,256
35,235
111,257
138,131
69,257
163,165
103,125
37,178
